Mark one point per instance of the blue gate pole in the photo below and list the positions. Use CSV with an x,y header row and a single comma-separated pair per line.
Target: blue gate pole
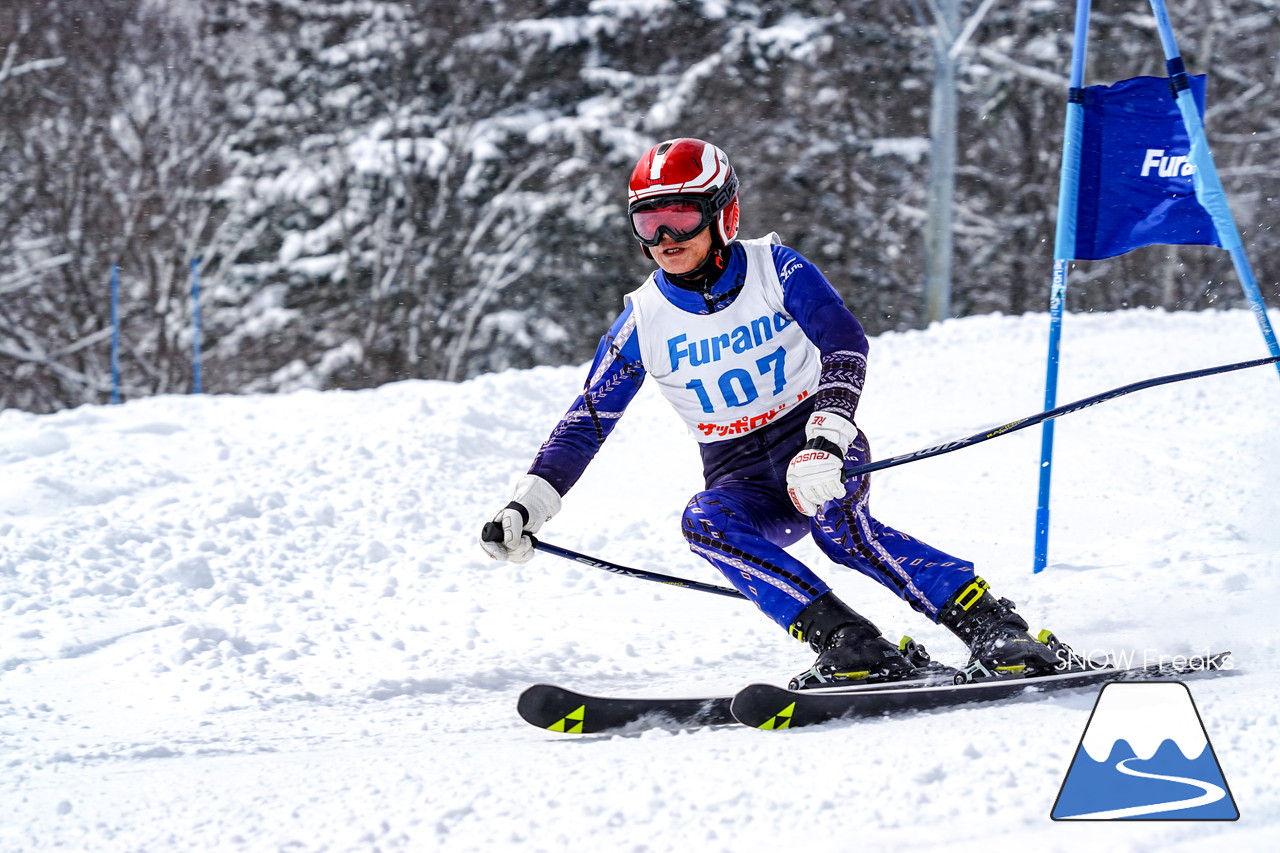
x,y
115,334
1064,250
1208,186
195,323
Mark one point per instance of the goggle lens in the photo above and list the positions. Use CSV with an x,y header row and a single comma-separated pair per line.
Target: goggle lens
x,y
681,220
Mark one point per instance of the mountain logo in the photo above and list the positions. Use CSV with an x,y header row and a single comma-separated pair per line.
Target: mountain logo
x,y
1145,755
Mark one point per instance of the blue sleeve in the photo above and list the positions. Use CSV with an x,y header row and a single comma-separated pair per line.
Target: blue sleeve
x,y
828,322
614,378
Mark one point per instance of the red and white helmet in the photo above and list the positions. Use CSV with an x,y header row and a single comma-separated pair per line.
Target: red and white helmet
x,y
680,187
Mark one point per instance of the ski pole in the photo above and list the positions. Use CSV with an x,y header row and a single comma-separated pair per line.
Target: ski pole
x,y
1067,409
493,533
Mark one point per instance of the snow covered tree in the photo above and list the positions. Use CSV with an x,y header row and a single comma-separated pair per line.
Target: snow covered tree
x,y
387,189
110,157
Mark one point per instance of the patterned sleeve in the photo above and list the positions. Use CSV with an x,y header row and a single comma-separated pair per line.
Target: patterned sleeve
x,y
615,376
829,323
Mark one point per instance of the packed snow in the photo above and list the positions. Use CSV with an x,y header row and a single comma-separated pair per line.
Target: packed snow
x,y
264,622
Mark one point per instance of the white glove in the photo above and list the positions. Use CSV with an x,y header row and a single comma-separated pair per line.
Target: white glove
x,y
534,503
815,474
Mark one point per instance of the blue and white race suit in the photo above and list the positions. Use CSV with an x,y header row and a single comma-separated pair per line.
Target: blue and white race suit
x,y
744,366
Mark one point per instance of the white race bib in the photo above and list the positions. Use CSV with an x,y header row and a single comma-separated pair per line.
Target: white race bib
x,y
728,373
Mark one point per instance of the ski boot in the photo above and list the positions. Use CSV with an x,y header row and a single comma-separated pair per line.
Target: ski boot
x,y
851,651
996,636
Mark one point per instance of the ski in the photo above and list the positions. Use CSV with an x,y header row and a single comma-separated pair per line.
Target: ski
x,y
559,709
765,706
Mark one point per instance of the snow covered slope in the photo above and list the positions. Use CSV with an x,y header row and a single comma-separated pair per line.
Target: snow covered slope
x,y
263,623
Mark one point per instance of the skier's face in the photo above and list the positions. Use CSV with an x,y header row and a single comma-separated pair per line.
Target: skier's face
x,y
681,258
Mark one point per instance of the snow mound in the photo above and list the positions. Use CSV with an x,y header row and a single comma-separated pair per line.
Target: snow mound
x,y
263,622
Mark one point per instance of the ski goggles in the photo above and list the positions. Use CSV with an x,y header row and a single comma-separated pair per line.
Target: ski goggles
x,y
680,218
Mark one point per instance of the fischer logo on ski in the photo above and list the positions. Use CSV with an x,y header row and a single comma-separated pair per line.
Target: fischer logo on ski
x,y
781,720
571,724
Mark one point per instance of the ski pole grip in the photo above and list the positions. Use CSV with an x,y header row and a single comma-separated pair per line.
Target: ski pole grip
x,y
492,532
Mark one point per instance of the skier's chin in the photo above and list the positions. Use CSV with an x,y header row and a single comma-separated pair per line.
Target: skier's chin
x,y
676,260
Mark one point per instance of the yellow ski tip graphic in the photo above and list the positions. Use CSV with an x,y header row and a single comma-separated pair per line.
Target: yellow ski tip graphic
x,y
572,723
780,720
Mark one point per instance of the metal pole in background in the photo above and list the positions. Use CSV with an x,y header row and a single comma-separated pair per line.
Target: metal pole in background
x,y
942,166
949,40
115,334
196,382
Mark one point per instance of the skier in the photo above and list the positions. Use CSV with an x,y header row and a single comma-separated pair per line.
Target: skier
x,y
763,361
